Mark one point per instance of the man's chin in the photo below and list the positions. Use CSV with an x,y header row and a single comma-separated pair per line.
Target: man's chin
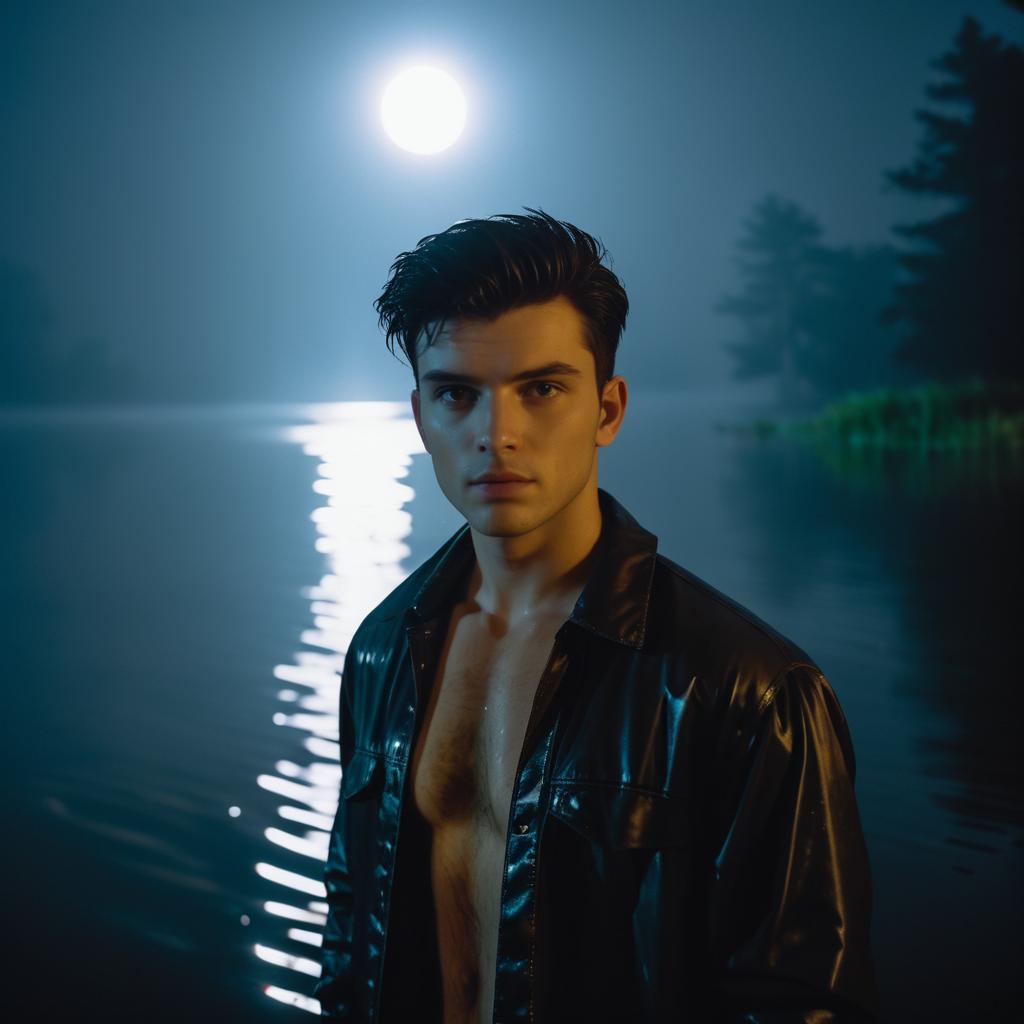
x,y
501,521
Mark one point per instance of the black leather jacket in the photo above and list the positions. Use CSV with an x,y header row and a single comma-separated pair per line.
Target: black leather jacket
x,y
683,842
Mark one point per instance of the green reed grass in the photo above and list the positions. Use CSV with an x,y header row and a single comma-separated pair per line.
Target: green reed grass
x,y
969,414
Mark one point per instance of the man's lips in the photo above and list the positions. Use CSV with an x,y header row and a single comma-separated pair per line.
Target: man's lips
x,y
501,487
501,478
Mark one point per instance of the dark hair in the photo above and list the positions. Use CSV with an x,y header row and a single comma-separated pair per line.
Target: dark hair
x,y
483,268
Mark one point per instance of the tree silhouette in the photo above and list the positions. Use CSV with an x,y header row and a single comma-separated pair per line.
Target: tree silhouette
x,y
32,370
811,314
25,323
965,277
775,268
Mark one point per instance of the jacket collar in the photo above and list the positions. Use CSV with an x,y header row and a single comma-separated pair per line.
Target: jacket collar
x,y
614,600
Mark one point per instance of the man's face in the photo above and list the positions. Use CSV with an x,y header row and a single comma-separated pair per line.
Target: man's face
x,y
491,398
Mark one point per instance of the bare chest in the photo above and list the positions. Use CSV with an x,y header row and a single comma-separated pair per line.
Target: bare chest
x,y
465,758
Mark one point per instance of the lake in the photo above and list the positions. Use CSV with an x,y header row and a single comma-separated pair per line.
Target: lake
x,y
178,589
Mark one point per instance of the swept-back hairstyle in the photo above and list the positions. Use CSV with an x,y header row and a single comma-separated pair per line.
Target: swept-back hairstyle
x,y
483,268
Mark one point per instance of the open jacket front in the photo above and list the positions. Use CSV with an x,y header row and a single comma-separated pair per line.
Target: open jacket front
x,y
683,842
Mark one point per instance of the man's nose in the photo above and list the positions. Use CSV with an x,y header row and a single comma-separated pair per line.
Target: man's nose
x,y
497,427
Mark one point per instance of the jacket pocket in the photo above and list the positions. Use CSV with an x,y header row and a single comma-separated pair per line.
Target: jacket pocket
x,y
621,817
363,776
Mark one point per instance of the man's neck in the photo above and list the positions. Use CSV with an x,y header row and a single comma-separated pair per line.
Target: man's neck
x,y
517,579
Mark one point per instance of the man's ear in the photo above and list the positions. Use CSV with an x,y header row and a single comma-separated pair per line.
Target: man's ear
x,y
614,397
414,398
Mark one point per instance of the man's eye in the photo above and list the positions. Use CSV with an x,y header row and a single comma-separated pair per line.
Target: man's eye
x,y
547,384
441,392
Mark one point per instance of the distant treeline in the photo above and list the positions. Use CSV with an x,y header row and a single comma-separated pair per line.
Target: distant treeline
x,y
946,306
33,370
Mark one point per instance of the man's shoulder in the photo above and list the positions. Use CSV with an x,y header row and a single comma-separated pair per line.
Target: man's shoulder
x,y
719,639
389,612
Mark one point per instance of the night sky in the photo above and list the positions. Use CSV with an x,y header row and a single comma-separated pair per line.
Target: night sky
x,y
206,187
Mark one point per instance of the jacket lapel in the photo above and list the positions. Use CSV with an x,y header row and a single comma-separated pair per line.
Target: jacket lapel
x,y
613,602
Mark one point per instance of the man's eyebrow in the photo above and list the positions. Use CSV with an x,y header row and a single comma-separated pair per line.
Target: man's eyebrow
x,y
556,369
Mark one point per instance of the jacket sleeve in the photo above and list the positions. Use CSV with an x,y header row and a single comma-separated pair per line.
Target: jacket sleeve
x,y
334,988
790,896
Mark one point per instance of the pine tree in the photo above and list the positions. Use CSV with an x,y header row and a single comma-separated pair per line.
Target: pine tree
x,y
965,276
776,269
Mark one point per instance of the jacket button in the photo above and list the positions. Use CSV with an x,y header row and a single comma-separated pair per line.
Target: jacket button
x,y
522,829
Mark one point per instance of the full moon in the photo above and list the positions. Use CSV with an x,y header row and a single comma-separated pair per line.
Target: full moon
x,y
423,110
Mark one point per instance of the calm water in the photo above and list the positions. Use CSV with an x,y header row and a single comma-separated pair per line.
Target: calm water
x,y
178,589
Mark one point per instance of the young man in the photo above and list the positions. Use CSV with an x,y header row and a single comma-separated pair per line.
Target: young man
x,y
578,783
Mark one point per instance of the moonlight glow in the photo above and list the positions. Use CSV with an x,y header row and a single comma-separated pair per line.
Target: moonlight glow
x,y
423,110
